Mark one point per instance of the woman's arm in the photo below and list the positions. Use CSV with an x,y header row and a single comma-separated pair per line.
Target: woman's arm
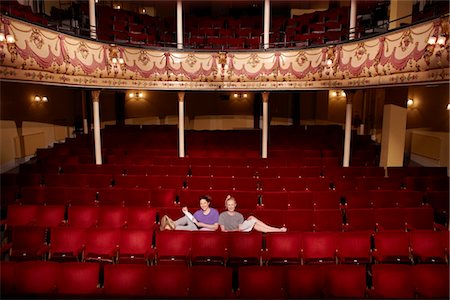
x,y
214,226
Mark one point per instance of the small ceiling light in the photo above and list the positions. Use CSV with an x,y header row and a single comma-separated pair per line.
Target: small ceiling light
x,y
235,95
114,60
244,95
44,99
432,40
121,61
37,98
441,40
333,93
410,102
140,95
343,94
9,38
329,62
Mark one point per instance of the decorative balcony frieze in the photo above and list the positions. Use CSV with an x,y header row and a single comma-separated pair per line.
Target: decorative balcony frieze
x,y
404,56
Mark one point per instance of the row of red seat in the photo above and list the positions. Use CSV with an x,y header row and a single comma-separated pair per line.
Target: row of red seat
x,y
238,179
48,279
296,219
230,248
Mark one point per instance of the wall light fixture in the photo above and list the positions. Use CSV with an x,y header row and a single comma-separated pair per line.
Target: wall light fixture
x,y
40,99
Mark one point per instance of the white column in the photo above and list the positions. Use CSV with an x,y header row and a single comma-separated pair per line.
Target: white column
x,y
96,113
92,22
265,127
266,23
83,108
348,129
181,124
179,24
353,8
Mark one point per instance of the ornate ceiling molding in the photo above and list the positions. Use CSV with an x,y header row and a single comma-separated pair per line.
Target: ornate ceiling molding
x,y
40,55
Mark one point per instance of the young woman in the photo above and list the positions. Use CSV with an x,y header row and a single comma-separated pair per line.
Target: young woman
x,y
231,220
206,218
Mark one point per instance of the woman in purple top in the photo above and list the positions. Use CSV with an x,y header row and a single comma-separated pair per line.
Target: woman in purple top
x,y
206,218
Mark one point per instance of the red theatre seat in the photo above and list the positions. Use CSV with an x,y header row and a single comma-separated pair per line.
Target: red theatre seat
x,y
66,243
78,280
392,281
173,247
257,282
125,280
36,279
345,281
208,248
431,281
168,282
217,279
283,248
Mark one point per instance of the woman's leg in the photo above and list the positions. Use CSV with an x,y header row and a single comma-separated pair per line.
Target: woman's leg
x,y
184,223
263,227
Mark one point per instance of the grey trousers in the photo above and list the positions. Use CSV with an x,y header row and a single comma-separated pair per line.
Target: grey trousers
x,y
184,223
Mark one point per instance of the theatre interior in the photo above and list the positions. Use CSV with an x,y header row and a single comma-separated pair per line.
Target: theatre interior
x,y
327,118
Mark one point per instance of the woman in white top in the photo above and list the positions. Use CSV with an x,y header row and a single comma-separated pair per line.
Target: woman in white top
x,y
231,220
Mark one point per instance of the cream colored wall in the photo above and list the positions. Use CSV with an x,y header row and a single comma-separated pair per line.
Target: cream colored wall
x,y
393,136
34,135
398,9
7,134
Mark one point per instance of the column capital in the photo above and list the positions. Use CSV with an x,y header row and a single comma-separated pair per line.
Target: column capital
x,y
265,96
181,96
349,95
95,95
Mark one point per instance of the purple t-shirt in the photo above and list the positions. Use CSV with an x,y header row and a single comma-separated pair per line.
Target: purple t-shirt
x,y
210,219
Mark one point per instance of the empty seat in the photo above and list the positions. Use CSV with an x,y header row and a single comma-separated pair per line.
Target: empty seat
x,y
101,244
328,220
318,247
257,282
78,280
299,220
7,278
173,247
392,281
125,280
244,248
274,200
283,248
20,215
112,216
360,219
301,200
306,281
168,282
208,248
419,218
217,279
429,246
354,247
82,216
27,243
36,279
390,218
135,246
392,246
51,215
345,281
431,281
66,243
141,217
